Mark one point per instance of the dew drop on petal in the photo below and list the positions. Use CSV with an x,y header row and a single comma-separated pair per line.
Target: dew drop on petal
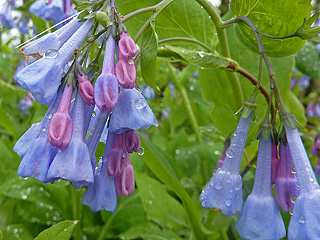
x,y
141,151
218,185
140,103
228,180
230,153
49,115
228,203
51,53
302,219
238,185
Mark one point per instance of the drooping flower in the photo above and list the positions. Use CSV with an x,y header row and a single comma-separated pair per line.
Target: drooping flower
x,y
260,217
52,10
6,19
73,162
304,223
86,89
106,87
286,186
224,190
125,181
34,148
42,77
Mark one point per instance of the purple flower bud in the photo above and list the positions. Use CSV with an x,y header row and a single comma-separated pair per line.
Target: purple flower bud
x,y
260,217
60,129
132,141
126,73
127,47
305,217
86,89
117,156
286,186
124,183
275,163
317,169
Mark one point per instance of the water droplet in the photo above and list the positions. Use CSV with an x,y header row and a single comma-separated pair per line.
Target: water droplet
x,y
51,53
201,54
59,150
201,6
218,185
293,199
24,196
124,155
293,170
131,62
238,185
228,203
43,129
307,169
311,178
49,115
230,153
209,16
93,114
228,180
41,189
177,151
156,123
141,151
231,191
291,212
182,51
191,88
140,103
302,219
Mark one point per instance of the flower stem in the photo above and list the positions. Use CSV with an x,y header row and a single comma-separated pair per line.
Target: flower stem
x,y
76,196
224,47
188,40
187,103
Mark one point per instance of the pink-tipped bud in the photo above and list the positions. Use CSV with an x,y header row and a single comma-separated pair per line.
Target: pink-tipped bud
x,y
86,89
127,47
106,92
116,161
60,129
126,73
132,141
124,183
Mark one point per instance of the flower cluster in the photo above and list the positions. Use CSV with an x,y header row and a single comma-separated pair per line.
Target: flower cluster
x,y
296,188
82,113
6,19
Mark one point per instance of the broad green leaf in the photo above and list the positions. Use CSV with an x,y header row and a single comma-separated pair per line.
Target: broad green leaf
x,y
148,231
149,46
273,17
217,90
157,164
182,18
7,122
16,232
157,202
202,59
307,60
60,231
0,235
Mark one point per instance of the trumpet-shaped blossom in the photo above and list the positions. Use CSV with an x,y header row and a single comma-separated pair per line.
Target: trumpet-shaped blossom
x,y
260,217
286,186
275,163
106,87
224,190
42,78
6,19
52,11
86,89
304,223
73,162
40,47
131,112
101,194
35,149
60,129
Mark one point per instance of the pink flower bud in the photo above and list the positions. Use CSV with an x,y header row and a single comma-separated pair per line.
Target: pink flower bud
x,y
124,183
86,90
132,141
127,47
126,74
60,129
116,161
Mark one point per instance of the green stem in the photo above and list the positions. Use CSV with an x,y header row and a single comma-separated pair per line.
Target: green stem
x,y
187,39
187,103
224,47
76,196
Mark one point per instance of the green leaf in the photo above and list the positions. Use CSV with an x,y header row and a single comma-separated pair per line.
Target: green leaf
x,y
0,235
16,232
182,18
149,46
157,202
273,17
307,60
148,231
7,123
60,231
202,59
157,163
